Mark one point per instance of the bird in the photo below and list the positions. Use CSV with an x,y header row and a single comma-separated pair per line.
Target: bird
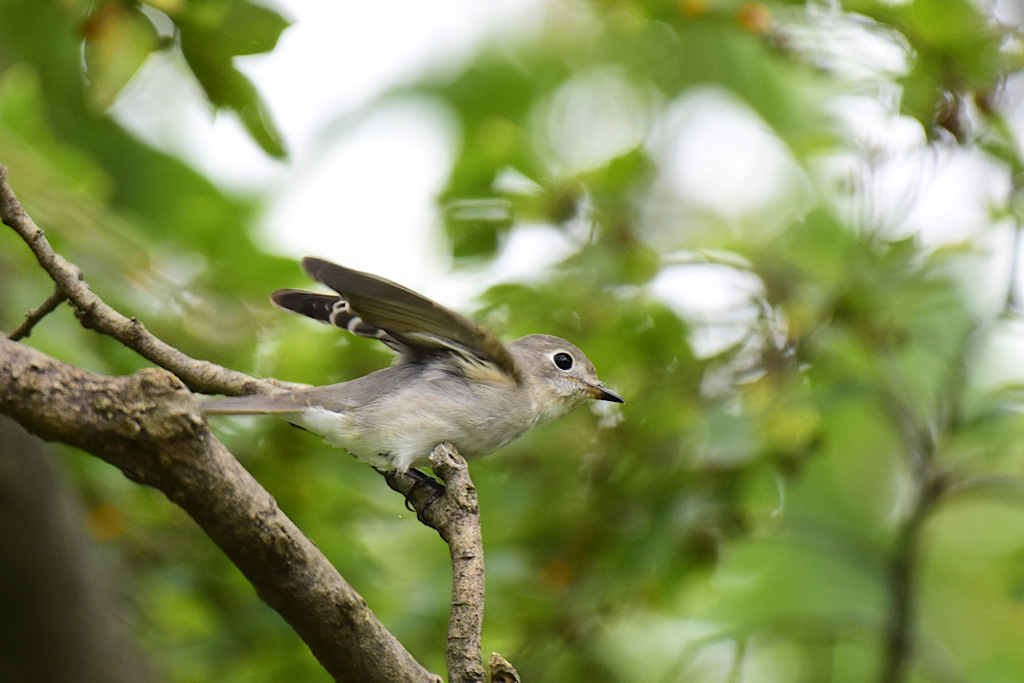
x,y
453,382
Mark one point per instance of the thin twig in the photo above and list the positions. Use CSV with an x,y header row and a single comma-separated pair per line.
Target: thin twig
x,y
34,316
919,440
200,376
996,487
903,568
739,656
456,517
1012,301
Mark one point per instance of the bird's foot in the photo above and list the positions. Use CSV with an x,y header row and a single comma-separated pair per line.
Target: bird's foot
x,y
422,479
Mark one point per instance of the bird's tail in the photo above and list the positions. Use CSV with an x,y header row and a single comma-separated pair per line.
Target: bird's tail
x,y
252,405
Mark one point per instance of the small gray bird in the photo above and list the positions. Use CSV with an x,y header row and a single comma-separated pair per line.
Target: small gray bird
x,y
454,381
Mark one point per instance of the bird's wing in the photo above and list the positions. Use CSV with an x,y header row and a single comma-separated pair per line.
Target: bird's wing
x,y
413,325
331,309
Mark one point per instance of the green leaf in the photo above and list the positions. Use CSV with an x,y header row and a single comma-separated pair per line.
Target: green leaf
x,y
213,33
232,28
118,40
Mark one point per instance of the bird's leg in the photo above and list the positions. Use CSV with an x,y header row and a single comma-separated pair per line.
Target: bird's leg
x,y
422,479
400,482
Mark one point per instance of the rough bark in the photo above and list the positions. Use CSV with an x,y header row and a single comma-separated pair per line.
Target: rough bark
x,y
150,427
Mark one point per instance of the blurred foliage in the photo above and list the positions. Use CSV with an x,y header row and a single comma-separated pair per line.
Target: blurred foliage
x,y
840,466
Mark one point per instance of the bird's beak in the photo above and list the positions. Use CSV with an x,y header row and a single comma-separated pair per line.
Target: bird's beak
x,y
599,392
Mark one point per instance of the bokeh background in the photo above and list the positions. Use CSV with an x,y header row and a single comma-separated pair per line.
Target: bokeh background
x,y
787,232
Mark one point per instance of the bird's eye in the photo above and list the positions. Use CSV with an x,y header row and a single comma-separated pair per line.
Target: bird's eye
x,y
563,361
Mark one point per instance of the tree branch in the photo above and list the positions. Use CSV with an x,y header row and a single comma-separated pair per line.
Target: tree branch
x,y
903,567
150,427
456,517
35,315
200,376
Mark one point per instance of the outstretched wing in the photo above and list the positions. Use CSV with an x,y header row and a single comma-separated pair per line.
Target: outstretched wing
x,y
331,309
413,325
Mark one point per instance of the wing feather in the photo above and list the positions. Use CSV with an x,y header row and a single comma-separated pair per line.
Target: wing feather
x,y
422,326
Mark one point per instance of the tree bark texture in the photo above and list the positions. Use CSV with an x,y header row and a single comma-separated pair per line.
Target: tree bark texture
x,y
150,427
